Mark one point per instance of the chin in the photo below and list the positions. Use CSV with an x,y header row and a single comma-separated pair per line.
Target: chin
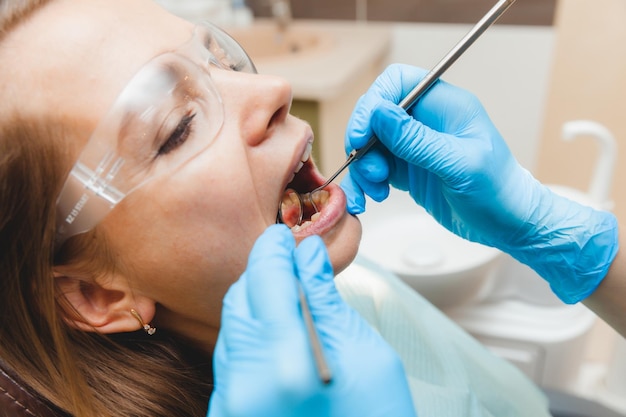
x,y
343,242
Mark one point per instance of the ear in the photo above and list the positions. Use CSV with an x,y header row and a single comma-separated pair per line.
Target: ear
x,y
102,306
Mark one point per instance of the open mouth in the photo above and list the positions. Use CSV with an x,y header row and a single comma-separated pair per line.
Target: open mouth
x,y
306,213
299,208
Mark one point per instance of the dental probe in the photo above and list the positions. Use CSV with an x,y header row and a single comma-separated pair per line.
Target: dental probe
x,y
430,78
318,355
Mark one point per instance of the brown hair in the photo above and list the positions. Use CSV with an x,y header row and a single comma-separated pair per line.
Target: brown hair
x,y
85,373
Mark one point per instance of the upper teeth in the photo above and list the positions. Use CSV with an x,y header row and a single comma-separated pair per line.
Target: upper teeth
x,y
305,156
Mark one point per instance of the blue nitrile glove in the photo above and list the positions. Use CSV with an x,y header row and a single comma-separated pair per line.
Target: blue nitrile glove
x,y
452,160
263,361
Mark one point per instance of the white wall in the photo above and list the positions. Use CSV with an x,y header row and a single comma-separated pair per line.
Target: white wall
x,y
508,68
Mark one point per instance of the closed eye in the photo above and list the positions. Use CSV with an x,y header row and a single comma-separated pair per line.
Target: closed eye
x,y
179,135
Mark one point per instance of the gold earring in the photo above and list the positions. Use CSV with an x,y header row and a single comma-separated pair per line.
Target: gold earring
x,y
149,329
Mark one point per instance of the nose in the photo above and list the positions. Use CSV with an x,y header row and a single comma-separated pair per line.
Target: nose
x,y
258,103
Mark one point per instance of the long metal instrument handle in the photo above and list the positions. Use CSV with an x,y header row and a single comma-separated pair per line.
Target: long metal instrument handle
x,y
434,74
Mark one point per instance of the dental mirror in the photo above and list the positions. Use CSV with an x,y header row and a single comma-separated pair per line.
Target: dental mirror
x,y
295,207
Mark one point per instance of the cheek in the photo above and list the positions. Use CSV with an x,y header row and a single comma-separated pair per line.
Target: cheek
x,y
181,245
216,184
211,205
206,216
216,214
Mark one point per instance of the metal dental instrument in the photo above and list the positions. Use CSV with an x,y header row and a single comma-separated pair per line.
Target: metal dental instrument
x,y
483,24
318,354
434,74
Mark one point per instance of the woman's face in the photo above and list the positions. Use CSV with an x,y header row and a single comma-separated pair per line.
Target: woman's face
x,y
183,237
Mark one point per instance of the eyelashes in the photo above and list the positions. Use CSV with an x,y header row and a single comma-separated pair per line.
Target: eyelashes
x,y
179,135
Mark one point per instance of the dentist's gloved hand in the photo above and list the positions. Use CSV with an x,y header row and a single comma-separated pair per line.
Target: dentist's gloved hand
x,y
451,159
263,362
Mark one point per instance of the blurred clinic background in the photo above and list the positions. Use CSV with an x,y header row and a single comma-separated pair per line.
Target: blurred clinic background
x,y
552,75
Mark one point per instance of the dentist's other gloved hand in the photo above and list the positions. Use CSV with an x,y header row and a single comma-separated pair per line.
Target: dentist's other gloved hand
x,y
263,362
451,159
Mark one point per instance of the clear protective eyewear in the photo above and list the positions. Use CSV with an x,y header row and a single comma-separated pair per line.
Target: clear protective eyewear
x,y
145,126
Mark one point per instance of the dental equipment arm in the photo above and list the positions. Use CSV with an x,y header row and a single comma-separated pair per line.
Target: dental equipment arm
x,y
451,159
262,360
